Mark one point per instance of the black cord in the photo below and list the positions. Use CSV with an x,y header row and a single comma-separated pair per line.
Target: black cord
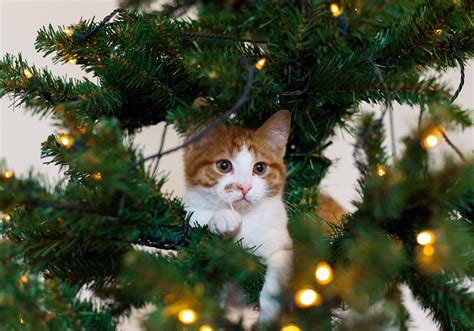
x,y
84,36
187,35
39,87
192,35
462,66
220,119
345,29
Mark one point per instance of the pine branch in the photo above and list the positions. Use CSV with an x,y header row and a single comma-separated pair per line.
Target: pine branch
x,y
450,303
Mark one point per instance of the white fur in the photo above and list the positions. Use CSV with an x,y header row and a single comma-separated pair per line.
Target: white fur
x,y
262,227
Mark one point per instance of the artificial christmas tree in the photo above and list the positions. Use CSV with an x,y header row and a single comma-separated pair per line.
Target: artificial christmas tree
x,y
412,224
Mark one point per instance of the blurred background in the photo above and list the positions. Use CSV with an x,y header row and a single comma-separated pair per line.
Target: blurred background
x,y
21,134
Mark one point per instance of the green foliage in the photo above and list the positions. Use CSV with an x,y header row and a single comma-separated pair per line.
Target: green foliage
x,y
149,67
28,301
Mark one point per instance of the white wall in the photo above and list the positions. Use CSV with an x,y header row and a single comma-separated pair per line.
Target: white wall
x,y
21,134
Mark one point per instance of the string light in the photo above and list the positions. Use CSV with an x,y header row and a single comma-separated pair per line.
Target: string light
x,y
69,32
59,109
66,140
438,32
187,316
72,60
428,250
323,274
213,74
206,327
381,171
20,319
261,63
82,129
290,327
425,238
306,297
50,315
27,73
5,217
430,141
431,138
335,9
97,176
7,174
24,279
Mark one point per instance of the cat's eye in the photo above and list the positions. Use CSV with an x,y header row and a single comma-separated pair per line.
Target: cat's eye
x,y
259,168
224,166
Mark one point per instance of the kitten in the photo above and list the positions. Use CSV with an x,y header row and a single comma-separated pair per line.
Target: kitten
x,y
235,179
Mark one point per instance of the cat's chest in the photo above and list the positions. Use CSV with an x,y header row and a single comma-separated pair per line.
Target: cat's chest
x,y
265,228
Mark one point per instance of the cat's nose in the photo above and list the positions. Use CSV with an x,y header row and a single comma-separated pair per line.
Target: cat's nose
x,y
244,188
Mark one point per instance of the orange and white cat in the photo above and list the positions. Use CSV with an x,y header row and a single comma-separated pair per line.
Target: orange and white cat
x,y
235,179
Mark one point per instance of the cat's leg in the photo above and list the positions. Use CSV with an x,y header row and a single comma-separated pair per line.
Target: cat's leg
x,y
279,266
225,222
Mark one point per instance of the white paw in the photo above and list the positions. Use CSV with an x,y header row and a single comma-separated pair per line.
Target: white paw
x,y
269,311
225,222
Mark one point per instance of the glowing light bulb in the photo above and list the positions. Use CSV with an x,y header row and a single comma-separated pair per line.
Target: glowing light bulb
x,y
438,32
97,176
5,217
335,9
66,140
430,141
72,60
428,250
306,298
290,327
24,279
187,316
323,273
213,74
206,327
50,315
381,171
21,320
82,129
27,73
59,109
425,238
261,63
7,174
431,138
69,32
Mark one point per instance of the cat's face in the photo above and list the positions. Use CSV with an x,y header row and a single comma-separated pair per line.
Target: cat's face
x,y
239,166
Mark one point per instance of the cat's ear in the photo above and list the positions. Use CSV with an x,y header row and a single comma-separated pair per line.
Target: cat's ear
x,y
195,130
276,130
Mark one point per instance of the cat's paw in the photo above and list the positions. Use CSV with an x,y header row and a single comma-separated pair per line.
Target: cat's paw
x,y
225,222
269,311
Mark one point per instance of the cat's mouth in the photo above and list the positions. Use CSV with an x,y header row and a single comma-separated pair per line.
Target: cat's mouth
x,y
241,204
243,200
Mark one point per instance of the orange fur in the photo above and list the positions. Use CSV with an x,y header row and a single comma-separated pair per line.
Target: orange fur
x,y
330,210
